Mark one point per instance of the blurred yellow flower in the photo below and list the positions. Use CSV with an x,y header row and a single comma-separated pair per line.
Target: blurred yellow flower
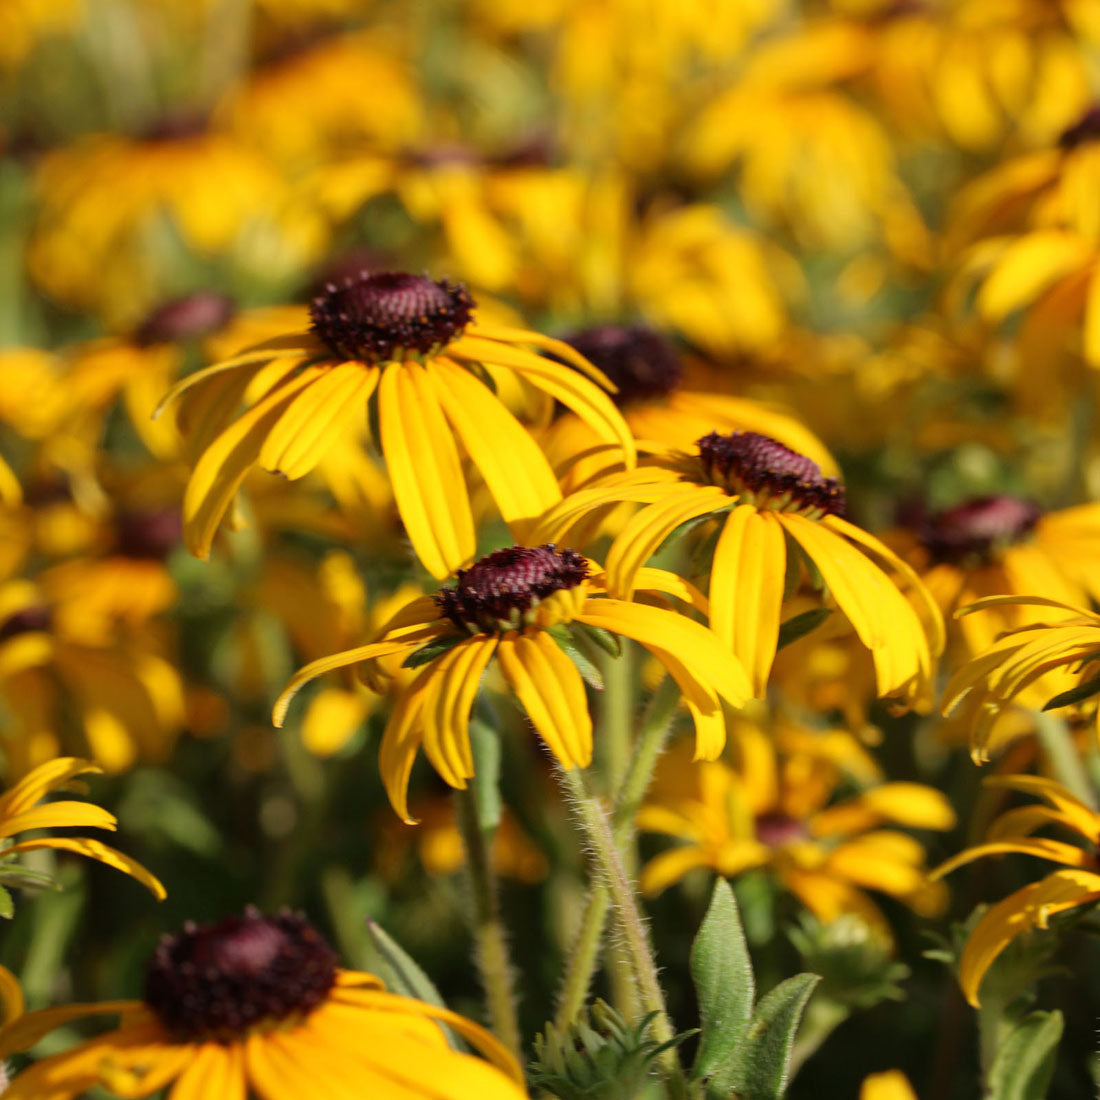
x,y
775,808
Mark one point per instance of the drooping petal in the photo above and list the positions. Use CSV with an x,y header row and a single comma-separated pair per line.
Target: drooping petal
x,y
400,742
646,530
746,589
564,384
46,777
447,702
1029,907
407,642
96,850
514,468
551,690
425,471
52,815
224,464
316,419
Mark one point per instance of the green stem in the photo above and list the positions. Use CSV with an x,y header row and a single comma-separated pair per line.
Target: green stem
x,y
596,825
493,959
586,949
616,717
1063,757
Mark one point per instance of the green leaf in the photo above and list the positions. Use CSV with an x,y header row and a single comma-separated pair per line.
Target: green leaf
x,y
585,665
798,626
608,642
402,974
15,875
485,745
763,1059
722,972
684,528
1025,1059
7,906
430,650
1074,695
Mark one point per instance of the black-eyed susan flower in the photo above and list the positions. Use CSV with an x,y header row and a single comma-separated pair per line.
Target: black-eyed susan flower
x,y
515,607
256,1006
776,514
1033,905
1063,648
777,808
409,343
22,808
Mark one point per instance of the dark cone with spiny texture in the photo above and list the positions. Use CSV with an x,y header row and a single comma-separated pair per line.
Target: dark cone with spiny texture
x,y
385,316
186,318
642,364
774,476
979,530
219,981
497,591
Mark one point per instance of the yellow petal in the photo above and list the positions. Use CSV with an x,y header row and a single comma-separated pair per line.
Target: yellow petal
x,y
94,849
319,667
46,777
56,815
1027,267
746,590
400,742
224,464
317,419
550,688
1042,847
663,870
891,1084
332,718
423,464
1092,320
1027,908
515,470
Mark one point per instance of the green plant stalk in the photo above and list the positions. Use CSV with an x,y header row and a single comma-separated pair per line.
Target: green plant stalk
x,y
583,957
616,717
494,963
1061,753
596,826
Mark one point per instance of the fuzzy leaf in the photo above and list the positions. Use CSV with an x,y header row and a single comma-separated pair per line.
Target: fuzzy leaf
x,y
798,626
430,650
722,972
608,642
760,1069
1025,1060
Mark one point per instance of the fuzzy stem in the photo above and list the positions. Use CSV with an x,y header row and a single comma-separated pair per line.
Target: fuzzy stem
x,y
493,959
616,717
1063,757
583,957
596,826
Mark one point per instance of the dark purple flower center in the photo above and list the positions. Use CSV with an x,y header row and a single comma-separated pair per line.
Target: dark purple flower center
x,y
28,620
776,828
385,316
774,476
979,529
186,318
149,535
640,362
496,592
219,981
1086,128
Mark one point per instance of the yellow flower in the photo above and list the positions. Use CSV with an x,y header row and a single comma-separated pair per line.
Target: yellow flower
x,y
514,605
891,1084
1031,906
256,1006
408,342
99,239
774,810
20,810
1034,233
765,496
1066,646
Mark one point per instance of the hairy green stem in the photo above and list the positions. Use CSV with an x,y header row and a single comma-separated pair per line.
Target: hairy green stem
x,y
596,826
586,948
493,959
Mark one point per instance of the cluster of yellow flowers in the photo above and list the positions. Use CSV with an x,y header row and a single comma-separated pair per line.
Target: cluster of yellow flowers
x,y
748,389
